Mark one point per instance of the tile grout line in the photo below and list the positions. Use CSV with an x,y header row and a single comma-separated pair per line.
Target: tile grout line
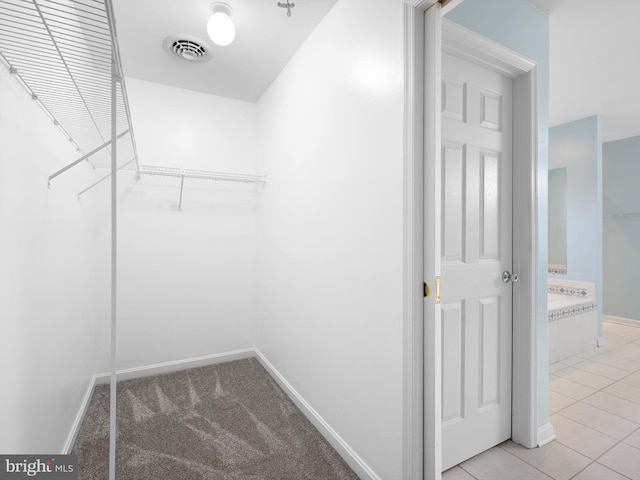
x,y
590,428
595,460
618,442
525,462
559,412
602,465
468,473
601,363
597,390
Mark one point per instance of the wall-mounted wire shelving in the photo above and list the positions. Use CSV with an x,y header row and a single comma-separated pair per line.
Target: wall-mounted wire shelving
x,y
65,54
610,216
199,174
202,174
62,52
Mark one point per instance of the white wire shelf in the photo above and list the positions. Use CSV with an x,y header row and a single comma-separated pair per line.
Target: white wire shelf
x,y
199,174
622,215
202,174
61,51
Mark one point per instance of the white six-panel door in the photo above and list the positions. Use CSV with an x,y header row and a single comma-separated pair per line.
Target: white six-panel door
x,y
476,223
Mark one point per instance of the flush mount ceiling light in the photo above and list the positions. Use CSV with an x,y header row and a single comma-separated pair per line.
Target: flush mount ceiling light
x,y
220,27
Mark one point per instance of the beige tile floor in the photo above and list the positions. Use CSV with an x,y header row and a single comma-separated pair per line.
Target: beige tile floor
x,y
594,400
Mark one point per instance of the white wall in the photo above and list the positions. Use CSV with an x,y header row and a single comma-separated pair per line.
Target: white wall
x,y
52,314
187,279
578,146
329,314
181,128
621,257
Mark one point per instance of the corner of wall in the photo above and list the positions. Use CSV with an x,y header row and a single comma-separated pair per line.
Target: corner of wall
x,y
48,245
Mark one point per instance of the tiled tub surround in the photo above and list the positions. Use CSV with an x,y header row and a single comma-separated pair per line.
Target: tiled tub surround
x,y
573,318
558,269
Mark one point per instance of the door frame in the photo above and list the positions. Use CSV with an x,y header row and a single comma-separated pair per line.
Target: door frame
x,y
426,35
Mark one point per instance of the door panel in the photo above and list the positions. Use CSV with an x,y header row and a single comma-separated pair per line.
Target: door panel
x,y
489,222
453,174
489,341
476,313
452,362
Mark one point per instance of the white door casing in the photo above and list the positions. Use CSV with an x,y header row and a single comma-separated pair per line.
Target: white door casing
x,y
427,34
476,248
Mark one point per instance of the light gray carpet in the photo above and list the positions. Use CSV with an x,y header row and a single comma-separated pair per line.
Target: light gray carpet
x,y
225,421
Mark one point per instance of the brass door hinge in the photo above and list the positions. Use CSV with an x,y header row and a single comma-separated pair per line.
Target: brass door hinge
x,y
426,290
437,289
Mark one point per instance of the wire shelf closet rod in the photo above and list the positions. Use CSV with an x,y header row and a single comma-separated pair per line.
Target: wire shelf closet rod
x,y
623,215
44,22
201,174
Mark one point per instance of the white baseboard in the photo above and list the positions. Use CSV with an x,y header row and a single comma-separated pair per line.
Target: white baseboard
x,y
75,428
632,322
356,463
545,434
174,366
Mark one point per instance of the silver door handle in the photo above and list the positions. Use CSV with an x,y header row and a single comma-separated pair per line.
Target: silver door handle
x,y
510,277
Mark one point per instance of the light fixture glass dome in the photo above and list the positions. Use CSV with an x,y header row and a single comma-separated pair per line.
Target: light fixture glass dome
x,y
220,27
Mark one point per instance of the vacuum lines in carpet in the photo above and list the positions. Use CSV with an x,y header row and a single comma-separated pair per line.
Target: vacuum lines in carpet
x,y
228,421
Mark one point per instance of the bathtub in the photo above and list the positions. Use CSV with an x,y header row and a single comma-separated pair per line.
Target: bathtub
x,y
573,320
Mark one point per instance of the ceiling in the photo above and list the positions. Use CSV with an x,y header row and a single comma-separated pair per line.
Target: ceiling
x,y
545,5
590,47
265,41
593,63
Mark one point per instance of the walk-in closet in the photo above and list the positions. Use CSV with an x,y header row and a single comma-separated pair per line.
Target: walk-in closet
x,y
201,242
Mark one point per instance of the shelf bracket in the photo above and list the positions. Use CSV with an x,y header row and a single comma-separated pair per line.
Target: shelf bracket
x,y
98,182
84,157
181,189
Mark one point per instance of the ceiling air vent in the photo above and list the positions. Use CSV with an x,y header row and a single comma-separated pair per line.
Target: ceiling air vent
x,y
188,48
